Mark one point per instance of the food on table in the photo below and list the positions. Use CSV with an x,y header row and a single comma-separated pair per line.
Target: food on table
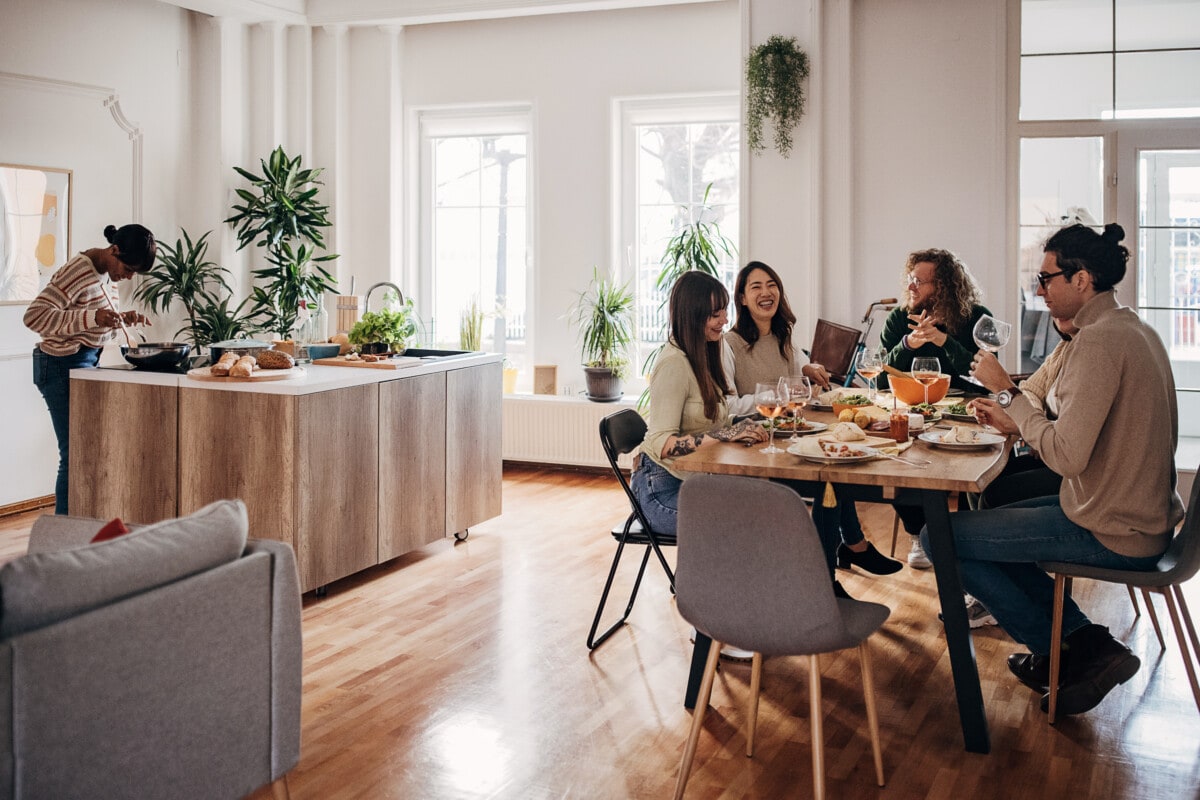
x,y
961,435
244,367
787,425
846,415
275,359
343,342
854,400
926,410
223,365
883,424
840,450
848,432
862,419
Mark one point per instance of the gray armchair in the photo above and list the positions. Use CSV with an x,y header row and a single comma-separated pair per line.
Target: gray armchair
x,y
162,664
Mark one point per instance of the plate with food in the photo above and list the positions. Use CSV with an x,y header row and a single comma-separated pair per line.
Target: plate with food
x,y
958,412
826,452
929,411
961,438
800,427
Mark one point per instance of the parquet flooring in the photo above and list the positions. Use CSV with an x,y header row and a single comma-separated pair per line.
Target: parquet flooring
x,y
460,671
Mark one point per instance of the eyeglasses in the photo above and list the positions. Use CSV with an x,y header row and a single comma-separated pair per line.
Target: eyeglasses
x,y
1044,278
913,280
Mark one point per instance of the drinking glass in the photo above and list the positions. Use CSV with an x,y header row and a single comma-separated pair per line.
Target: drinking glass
x,y
870,364
991,334
799,389
925,370
770,400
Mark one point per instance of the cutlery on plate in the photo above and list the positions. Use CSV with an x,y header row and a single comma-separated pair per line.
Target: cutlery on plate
x,y
881,454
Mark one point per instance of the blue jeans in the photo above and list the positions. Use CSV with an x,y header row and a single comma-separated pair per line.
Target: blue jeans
x,y
52,377
997,551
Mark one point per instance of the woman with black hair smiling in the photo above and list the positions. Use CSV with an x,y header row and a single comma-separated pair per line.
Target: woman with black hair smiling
x,y
1117,506
75,315
687,397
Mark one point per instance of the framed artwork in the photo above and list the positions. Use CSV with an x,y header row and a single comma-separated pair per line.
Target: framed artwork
x,y
35,228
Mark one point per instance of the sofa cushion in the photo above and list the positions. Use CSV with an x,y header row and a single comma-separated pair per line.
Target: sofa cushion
x,y
111,530
40,589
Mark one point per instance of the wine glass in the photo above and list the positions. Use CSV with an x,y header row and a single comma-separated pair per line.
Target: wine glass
x,y
770,400
799,389
870,364
991,334
925,371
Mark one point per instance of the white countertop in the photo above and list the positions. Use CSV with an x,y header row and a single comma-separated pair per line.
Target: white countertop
x,y
315,378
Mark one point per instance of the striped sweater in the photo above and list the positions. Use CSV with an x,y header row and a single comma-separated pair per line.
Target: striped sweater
x,y
64,313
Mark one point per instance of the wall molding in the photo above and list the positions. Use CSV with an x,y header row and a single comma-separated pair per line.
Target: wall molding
x,y
110,100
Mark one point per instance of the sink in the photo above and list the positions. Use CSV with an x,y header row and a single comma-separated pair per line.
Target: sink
x,y
438,355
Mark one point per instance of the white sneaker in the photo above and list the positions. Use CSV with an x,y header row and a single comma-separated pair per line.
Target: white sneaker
x,y
977,614
916,556
734,654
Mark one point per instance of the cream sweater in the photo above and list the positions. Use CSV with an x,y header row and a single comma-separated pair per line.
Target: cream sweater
x,y
676,406
1114,440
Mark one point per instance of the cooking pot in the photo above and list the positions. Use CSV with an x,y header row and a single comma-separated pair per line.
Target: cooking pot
x,y
240,347
157,355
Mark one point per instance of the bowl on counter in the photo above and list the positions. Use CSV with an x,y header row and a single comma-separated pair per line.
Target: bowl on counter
x,y
912,392
240,347
157,355
323,350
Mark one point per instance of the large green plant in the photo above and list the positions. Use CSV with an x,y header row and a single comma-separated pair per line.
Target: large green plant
x,y
280,212
604,314
698,245
183,275
775,75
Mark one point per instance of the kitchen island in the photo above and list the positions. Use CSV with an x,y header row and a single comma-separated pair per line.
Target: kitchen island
x,y
351,466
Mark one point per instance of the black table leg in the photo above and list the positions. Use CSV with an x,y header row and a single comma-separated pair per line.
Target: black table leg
x,y
699,658
954,616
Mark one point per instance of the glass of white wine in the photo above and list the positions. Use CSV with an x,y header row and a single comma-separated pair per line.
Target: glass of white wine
x,y
925,371
870,364
799,389
770,399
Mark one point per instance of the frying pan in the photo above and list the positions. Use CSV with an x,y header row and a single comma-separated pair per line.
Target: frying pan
x,y
157,355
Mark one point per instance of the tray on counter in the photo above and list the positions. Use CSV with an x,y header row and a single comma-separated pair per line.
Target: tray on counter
x,y
400,362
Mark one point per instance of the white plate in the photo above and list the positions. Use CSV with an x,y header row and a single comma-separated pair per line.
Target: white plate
x,y
960,417
797,450
813,427
205,374
982,440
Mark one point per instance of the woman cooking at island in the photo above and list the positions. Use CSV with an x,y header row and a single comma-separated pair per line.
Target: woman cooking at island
x,y
75,315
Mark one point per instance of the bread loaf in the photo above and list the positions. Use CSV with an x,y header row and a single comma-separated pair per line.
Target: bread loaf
x,y
221,368
244,367
275,359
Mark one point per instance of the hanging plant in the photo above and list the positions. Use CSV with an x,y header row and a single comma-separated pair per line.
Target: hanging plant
x,y
775,74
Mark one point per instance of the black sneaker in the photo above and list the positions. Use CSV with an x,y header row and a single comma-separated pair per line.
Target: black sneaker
x,y
870,559
1099,663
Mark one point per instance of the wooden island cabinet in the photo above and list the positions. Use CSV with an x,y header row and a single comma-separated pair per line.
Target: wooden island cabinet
x,y
352,467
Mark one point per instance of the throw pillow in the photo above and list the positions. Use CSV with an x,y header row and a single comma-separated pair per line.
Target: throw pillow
x,y
111,530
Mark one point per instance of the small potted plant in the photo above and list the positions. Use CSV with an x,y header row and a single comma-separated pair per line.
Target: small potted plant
x,y
385,330
604,314
775,75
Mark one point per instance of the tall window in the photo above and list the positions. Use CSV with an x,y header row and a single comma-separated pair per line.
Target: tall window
x,y
672,152
475,238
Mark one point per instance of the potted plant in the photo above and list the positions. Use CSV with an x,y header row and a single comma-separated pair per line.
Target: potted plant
x,y
604,314
183,275
280,213
775,75
385,330
470,328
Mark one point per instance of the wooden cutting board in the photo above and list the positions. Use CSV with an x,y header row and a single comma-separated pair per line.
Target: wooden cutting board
x,y
391,363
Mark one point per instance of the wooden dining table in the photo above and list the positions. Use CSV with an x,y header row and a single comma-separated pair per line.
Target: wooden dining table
x,y
949,472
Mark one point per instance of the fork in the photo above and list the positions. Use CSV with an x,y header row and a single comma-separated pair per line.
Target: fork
x,y
881,454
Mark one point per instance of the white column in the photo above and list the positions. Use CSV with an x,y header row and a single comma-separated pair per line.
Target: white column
x,y
397,149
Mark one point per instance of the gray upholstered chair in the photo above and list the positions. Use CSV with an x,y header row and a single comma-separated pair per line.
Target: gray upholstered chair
x,y
1178,564
162,664
751,573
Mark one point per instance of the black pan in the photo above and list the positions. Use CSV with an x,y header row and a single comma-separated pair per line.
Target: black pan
x,y
157,355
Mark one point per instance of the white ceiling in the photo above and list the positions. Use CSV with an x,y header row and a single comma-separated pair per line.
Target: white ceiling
x,y
399,12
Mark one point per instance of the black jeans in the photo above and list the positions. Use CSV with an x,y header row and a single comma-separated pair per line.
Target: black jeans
x,y
52,377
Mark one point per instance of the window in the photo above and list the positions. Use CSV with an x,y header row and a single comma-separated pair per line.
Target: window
x,y
672,151
475,236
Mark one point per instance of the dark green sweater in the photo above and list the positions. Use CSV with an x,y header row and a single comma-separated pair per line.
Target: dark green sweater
x,y
955,355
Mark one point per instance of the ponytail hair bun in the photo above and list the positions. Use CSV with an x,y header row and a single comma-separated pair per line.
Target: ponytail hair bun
x,y
135,243
110,233
1113,233
1079,247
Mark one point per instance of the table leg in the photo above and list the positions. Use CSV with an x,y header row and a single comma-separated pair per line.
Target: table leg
x,y
699,657
954,617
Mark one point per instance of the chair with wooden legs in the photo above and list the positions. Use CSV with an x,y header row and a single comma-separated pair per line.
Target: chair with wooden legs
x,y
1178,564
622,433
751,573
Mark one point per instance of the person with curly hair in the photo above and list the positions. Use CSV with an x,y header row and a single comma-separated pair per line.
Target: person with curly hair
x,y
942,306
940,310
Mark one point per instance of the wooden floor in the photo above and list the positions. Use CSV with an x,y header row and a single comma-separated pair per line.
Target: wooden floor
x,y
461,671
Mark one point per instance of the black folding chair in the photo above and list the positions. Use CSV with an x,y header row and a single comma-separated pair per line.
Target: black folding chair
x,y
621,433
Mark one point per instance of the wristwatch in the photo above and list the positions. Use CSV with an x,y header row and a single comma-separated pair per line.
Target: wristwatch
x,y
1005,398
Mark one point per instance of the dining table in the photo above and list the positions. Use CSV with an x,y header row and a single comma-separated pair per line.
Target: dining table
x,y
949,471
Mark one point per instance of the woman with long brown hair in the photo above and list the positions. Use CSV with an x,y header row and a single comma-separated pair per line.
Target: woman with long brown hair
x,y
687,397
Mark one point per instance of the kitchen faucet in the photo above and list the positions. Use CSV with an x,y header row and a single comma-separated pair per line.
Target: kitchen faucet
x,y
367,298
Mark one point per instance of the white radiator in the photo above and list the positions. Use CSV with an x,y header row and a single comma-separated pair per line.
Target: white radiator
x,y
555,429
